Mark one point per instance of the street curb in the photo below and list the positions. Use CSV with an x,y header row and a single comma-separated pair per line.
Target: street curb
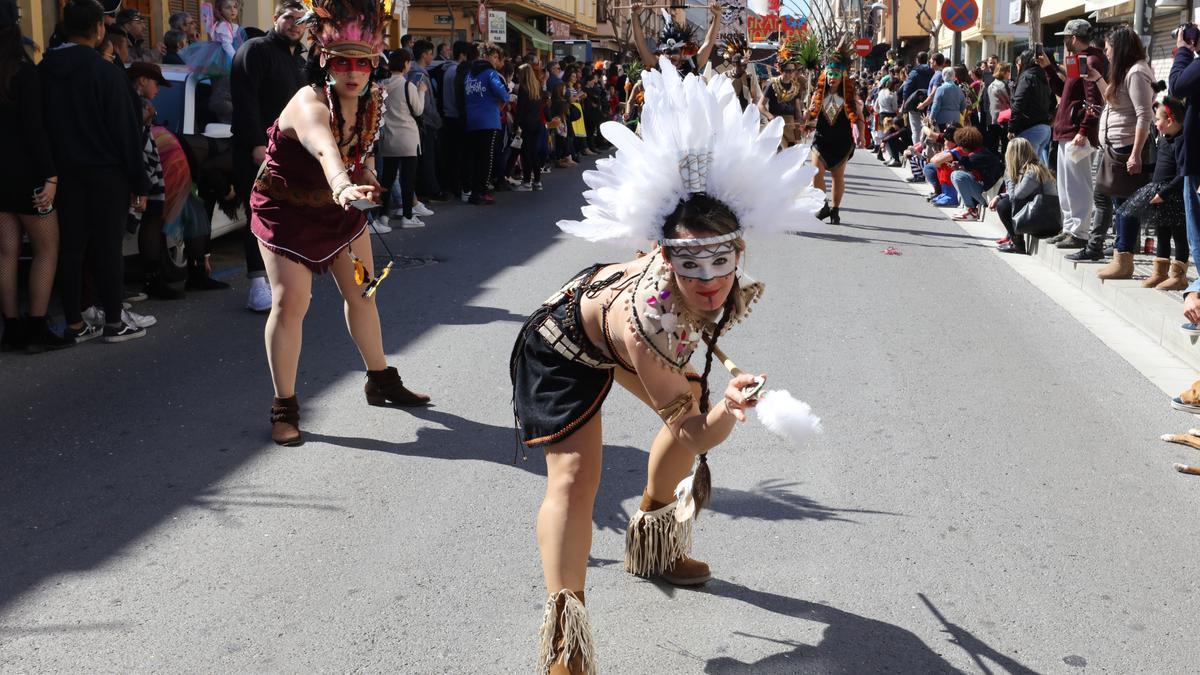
x,y
1157,314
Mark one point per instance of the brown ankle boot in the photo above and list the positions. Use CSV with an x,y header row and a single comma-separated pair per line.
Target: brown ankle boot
x,y
385,385
567,647
657,544
1159,275
285,421
1121,267
1177,279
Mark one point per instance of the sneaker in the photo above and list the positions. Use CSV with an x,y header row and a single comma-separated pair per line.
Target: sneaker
x,y
94,316
422,211
137,320
135,296
411,223
523,187
1085,254
545,169
537,187
466,197
1010,247
1005,240
915,179
381,226
258,298
1071,241
122,332
1190,329
82,334
1058,238
944,200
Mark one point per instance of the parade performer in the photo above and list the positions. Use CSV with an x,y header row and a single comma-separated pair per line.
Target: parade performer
x,y
786,94
834,114
744,79
307,199
700,176
676,42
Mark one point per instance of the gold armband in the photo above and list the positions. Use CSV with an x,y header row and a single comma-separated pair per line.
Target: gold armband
x,y
677,408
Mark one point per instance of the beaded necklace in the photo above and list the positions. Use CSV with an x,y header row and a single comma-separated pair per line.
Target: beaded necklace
x,y
365,131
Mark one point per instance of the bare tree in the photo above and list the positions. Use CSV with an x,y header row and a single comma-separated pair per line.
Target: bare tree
x,y
1035,20
931,24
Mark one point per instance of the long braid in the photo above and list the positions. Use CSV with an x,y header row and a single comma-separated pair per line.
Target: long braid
x,y
702,478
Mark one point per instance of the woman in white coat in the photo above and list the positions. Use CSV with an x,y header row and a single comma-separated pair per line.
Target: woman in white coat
x,y
400,140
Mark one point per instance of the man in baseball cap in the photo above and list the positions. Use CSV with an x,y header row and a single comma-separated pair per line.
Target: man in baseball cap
x,y
1077,28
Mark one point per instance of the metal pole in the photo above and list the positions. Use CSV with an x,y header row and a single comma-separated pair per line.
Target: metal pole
x,y
956,50
1139,17
896,29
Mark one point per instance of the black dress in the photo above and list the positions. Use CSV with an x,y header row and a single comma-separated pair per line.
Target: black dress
x,y
834,140
23,143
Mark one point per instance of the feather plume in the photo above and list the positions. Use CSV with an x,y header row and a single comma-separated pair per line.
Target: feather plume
x,y
695,137
787,417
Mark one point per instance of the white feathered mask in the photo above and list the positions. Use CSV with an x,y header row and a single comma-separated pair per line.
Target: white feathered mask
x,y
695,137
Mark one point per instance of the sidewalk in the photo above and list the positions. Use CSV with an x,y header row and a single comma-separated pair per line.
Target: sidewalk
x,y
1157,314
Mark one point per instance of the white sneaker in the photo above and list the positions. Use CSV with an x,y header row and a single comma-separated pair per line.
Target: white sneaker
x,y
411,223
94,316
258,298
381,226
137,320
466,197
522,187
422,210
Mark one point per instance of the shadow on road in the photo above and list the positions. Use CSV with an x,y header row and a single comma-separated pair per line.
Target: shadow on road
x,y
850,643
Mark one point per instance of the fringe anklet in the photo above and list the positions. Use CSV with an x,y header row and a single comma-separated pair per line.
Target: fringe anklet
x,y
655,540
566,635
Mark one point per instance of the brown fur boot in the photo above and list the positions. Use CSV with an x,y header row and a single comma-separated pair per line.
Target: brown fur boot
x,y
285,421
567,647
1121,267
385,385
1159,275
1177,280
657,544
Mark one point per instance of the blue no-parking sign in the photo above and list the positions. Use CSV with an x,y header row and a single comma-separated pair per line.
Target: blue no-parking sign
x,y
959,15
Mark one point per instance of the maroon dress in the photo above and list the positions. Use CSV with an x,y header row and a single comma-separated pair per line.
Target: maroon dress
x,y
292,211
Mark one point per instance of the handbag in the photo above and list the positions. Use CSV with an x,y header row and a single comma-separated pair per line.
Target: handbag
x,y
1113,178
1041,217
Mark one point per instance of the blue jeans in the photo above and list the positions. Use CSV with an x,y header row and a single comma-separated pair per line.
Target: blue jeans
x,y
1038,136
930,172
1191,210
969,189
1129,228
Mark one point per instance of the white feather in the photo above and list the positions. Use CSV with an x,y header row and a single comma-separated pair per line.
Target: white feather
x,y
787,417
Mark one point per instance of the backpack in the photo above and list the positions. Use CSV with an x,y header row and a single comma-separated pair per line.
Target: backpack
x,y
435,84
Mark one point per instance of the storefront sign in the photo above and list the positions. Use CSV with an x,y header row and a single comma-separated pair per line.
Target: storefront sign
x,y
443,18
774,28
558,30
497,26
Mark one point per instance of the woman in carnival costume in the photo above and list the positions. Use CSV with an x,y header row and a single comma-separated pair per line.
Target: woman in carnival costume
x,y
786,94
638,323
834,113
306,205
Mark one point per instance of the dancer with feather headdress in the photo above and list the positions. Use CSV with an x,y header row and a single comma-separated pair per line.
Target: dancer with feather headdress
x,y
701,176
307,201
676,42
786,94
834,115
744,79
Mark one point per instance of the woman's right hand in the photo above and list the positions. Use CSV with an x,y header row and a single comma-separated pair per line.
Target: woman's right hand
x,y
45,199
735,400
992,204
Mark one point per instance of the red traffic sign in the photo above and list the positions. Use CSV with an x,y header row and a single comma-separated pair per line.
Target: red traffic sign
x,y
959,15
862,46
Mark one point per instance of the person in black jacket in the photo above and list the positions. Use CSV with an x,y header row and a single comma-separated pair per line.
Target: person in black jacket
x,y
28,184
267,72
95,141
1032,106
531,110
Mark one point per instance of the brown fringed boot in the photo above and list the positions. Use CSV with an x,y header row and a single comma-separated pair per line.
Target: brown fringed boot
x,y
285,421
385,385
567,647
657,544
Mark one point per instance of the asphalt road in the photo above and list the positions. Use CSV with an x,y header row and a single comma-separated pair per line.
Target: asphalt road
x,y
989,495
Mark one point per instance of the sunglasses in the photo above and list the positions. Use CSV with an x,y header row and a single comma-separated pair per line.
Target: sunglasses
x,y
789,70
362,276
343,64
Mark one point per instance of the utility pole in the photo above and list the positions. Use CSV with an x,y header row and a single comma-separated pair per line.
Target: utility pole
x,y
956,50
896,30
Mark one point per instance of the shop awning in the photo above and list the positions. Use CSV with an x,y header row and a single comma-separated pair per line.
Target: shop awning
x,y
539,39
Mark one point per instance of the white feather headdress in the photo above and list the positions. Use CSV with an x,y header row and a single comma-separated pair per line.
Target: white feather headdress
x,y
695,137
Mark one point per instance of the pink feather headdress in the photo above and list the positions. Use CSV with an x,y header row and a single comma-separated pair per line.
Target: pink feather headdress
x,y
354,28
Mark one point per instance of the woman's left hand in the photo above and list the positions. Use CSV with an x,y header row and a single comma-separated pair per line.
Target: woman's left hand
x,y
45,199
353,193
1134,165
1093,75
